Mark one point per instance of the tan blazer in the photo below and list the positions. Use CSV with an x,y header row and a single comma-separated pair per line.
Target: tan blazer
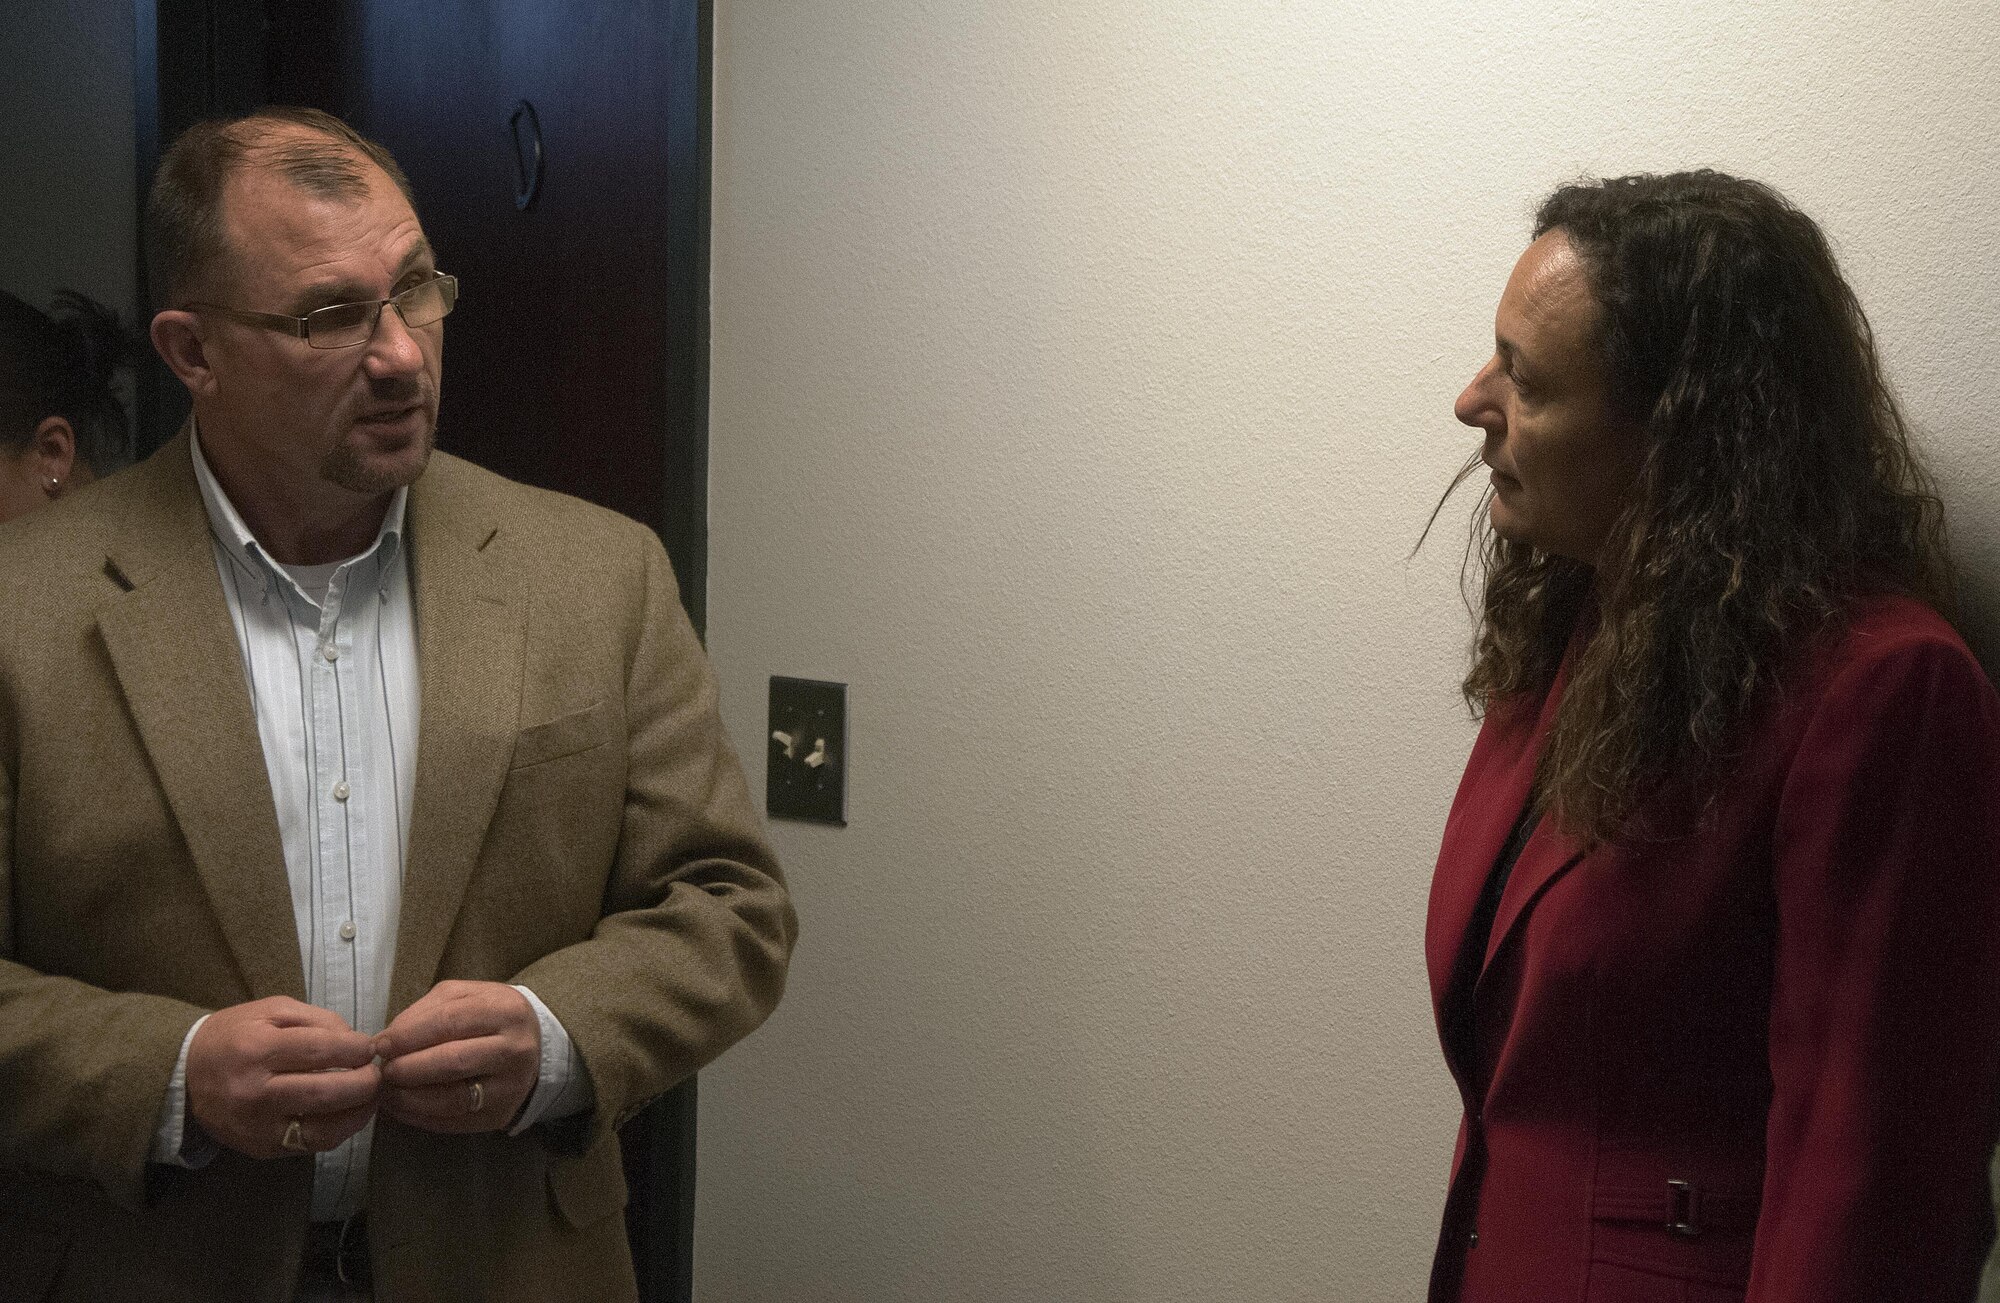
x,y
581,826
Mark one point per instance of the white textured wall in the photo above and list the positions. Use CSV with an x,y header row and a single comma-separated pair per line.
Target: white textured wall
x,y
1082,377
68,207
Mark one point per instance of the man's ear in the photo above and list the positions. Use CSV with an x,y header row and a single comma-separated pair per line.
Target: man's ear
x,y
177,338
54,448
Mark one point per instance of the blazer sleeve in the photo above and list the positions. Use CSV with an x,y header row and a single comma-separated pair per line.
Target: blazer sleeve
x,y
1885,1005
82,1070
691,952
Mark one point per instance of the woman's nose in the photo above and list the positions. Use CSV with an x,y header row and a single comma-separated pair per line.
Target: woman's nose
x,y
1475,405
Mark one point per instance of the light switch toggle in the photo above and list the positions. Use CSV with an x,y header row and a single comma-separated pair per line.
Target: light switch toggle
x,y
791,743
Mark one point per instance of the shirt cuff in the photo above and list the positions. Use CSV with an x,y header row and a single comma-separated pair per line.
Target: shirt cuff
x,y
177,1139
563,1089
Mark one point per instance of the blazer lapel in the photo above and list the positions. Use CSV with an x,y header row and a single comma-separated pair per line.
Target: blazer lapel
x,y
1549,854
470,644
1499,783
181,670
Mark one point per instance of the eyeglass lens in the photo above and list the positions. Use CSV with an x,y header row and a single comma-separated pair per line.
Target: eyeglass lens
x,y
346,324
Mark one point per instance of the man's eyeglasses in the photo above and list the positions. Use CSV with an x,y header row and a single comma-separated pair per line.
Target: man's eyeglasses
x,y
343,325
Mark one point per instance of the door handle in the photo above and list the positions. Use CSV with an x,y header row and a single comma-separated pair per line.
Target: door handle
x,y
527,169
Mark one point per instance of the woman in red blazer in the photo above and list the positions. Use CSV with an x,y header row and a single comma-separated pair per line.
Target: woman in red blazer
x,y
1714,939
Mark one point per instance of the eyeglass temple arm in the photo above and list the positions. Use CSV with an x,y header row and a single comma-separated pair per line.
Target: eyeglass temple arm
x,y
293,326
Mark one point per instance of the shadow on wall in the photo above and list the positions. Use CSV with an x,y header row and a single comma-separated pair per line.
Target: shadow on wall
x,y
1989,1281
1979,620
1976,549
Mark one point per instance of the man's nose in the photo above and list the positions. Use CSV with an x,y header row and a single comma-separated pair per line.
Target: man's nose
x,y
393,348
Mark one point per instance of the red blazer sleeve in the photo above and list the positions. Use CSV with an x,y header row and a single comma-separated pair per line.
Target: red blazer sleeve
x,y
1885,1005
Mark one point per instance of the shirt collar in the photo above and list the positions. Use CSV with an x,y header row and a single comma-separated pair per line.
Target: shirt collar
x,y
235,537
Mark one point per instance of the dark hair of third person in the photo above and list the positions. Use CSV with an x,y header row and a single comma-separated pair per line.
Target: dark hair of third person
x,y
1777,486
65,365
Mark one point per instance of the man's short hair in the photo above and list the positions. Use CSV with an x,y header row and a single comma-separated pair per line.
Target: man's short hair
x,y
184,240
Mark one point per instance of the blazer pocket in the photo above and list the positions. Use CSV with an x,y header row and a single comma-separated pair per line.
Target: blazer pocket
x,y
1682,1229
580,730
590,1188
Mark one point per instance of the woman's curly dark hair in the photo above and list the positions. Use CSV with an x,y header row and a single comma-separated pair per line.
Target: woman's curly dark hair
x,y
66,365
1777,487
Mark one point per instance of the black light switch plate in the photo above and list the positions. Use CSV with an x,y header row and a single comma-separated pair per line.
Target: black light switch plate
x,y
805,758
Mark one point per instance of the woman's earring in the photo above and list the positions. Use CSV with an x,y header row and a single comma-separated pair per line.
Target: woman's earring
x,y
54,484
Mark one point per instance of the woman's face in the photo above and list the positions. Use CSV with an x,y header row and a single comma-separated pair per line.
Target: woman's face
x,y
1563,460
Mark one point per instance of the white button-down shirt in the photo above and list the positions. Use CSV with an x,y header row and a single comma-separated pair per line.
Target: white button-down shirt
x,y
330,658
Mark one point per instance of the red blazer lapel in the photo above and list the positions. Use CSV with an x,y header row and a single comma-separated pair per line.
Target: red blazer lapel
x,y
1499,779
1549,854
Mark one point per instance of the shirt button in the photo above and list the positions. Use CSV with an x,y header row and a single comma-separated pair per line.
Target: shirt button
x,y
340,791
331,652
347,930
1472,1240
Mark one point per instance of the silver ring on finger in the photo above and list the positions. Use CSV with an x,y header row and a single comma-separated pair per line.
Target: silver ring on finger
x,y
475,1096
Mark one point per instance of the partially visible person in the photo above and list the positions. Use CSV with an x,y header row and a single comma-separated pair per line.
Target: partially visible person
x,y
61,422
1714,937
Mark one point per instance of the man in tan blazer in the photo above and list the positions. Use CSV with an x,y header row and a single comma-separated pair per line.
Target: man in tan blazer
x,y
578,888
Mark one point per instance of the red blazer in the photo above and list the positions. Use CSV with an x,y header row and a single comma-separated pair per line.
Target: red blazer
x,y
1759,1062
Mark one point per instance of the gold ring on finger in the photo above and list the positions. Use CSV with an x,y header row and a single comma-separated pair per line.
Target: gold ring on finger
x,y
476,1096
295,1139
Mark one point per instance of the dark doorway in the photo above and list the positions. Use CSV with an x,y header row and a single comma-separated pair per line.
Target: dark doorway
x,y
558,150
557,154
